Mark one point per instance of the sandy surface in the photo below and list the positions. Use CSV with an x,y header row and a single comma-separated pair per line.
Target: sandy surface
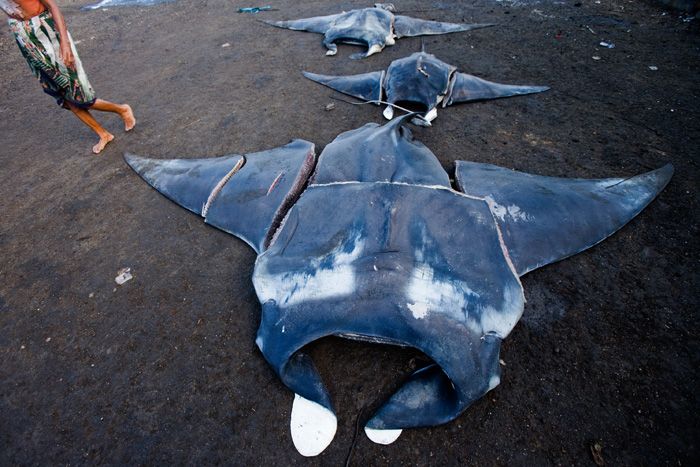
x,y
164,369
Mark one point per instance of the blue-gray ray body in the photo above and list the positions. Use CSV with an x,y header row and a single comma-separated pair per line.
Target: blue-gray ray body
x,y
374,153
374,27
116,3
378,247
423,80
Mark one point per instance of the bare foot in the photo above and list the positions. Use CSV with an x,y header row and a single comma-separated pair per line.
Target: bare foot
x,y
102,143
128,116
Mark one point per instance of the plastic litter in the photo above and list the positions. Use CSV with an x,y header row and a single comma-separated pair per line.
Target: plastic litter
x,y
595,57
653,67
254,9
607,44
123,275
330,106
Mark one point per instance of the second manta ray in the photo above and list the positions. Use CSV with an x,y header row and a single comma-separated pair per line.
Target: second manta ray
x,y
420,80
374,27
372,243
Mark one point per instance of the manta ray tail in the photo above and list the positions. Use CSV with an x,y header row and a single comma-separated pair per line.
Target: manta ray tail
x,y
365,86
246,196
546,219
466,87
405,26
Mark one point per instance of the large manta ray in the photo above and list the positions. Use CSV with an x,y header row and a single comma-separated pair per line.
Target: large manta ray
x,y
372,243
420,80
375,27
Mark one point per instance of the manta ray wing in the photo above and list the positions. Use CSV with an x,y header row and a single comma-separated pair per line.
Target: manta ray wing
x,y
365,86
317,24
405,26
466,88
246,196
546,219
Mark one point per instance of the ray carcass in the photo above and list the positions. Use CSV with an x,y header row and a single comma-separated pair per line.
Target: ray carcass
x,y
420,81
371,242
374,27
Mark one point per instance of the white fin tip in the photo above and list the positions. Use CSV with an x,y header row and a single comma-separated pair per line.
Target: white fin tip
x,y
382,436
313,426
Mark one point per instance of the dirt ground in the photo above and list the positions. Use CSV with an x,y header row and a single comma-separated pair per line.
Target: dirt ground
x,y
164,369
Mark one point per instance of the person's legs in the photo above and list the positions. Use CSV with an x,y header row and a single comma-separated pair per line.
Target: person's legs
x,y
124,111
87,118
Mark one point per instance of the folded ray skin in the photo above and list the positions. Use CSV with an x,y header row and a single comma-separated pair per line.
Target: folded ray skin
x,y
407,260
374,27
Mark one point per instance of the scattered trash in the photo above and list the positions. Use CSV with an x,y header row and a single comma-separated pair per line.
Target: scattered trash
x,y
48,339
597,453
22,347
607,44
254,9
330,106
226,45
590,29
92,294
595,57
502,362
123,275
653,67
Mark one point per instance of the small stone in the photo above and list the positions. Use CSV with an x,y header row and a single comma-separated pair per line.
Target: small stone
x,y
653,67
595,57
226,45
22,347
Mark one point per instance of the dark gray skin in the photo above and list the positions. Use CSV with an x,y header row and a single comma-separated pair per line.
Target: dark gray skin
x,y
374,27
421,80
113,3
378,247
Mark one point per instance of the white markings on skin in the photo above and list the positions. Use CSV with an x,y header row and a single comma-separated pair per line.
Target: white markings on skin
x,y
317,283
219,186
332,52
428,294
259,343
501,322
274,183
513,211
382,436
376,48
432,115
313,426
388,112
419,310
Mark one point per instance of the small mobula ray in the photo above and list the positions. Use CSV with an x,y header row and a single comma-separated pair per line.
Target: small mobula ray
x,y
407,260
420,80
374,27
